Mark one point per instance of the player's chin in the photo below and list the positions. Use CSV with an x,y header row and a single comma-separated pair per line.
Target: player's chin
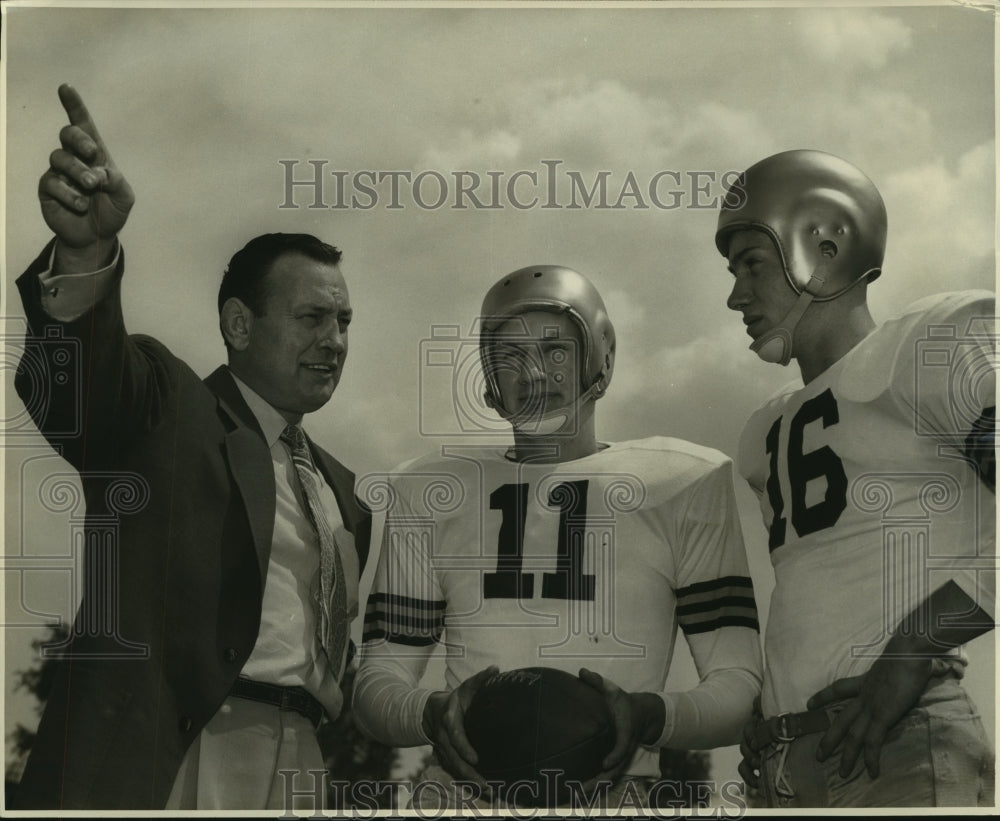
x,y
527,419
537,417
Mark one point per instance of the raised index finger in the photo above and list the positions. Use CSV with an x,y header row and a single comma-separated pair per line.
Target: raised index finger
x,y
77,111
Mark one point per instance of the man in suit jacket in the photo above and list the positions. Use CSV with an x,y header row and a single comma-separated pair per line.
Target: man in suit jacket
x,y
193,673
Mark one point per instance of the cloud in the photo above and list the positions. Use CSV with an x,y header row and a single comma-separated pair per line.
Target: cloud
x,y
877,122
625,309
702,390
600,124
471,151
941,223
714,124
850,38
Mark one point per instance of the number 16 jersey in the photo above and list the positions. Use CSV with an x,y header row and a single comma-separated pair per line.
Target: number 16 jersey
x,y
869,499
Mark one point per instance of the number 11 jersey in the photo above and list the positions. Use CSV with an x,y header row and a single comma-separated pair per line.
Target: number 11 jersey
x,y
590,563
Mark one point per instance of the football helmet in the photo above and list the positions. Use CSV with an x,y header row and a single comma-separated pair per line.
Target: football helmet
x,y
827,221
812,204
553,289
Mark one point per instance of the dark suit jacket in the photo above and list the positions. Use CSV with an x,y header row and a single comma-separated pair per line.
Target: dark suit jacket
x,y
179,469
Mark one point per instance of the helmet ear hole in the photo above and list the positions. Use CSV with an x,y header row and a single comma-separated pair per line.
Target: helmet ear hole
x,y
828,249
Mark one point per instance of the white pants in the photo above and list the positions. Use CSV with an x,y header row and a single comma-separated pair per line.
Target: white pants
x,y
236,761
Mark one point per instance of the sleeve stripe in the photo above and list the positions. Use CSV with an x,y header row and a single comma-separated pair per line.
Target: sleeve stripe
x,y
716,595
404,615
404,601
716,603
405,623
714,585
411,641
723,621
405,610
736,613
402,620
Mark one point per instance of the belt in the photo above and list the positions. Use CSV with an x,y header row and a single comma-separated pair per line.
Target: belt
x,y
297,699
786,727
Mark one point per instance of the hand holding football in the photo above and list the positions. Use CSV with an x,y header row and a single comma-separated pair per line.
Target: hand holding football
x,y
523,722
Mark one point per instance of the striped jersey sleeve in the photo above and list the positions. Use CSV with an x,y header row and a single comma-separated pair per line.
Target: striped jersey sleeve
x,y
406,605
722,602
717,614
403,620
712,584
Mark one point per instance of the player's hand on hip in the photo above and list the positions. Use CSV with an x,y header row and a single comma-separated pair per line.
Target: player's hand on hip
x,y
749,767
444,718
875,702
638,719
85,199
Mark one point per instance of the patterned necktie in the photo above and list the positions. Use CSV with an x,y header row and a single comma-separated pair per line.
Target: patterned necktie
x,y
333,622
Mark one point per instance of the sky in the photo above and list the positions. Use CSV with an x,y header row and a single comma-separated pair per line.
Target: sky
x,y
493,123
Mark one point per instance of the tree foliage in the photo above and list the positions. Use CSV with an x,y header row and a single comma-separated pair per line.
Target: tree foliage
x,y
38,681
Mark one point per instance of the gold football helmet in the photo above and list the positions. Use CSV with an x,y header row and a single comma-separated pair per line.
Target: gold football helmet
x,y
553,289
818,209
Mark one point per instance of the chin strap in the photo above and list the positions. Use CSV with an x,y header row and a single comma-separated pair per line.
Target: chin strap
x,y
776,345
546,424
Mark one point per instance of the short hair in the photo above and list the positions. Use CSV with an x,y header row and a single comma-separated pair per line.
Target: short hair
x,y
245,276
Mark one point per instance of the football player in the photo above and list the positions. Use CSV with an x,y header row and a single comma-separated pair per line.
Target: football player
x,y
561,551
875,476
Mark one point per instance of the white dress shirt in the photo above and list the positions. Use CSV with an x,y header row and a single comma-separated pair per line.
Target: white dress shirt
x,y
287,651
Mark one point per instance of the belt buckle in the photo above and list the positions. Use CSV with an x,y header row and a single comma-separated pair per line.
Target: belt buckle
x,y
783,735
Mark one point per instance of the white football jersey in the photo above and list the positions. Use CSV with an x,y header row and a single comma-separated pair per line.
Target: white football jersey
x,y
589,563
869,500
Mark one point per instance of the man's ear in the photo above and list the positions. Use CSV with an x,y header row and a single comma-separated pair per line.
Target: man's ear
x,y
235,321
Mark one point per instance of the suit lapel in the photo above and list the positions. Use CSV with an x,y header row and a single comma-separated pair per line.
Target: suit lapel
x,y
250,462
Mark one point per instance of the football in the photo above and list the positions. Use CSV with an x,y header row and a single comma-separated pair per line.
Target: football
x,y
524,721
